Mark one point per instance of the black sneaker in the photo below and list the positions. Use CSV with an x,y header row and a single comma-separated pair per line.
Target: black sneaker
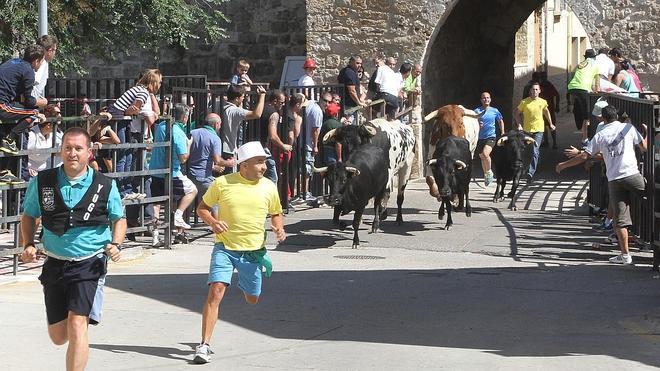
x,y
6,177
8,146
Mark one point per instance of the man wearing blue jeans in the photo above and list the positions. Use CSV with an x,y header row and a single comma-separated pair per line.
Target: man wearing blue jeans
x,y
529,117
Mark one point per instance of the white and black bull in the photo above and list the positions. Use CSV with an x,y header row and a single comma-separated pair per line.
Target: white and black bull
x,y
397,141
354,182
511,158
451,165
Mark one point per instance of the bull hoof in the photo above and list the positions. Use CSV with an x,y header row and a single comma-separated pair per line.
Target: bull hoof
x,y
513,208
356,246
447,227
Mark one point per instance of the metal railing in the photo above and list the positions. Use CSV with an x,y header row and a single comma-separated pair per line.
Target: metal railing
x,y
12,194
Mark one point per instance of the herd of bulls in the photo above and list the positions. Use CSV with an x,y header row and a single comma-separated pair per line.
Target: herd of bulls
x,y
382,144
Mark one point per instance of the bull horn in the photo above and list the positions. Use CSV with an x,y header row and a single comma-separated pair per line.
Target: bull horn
x,y
461,165
500,142
353,170
529,140
430,116
329,135
320,169
370,129
470,113
432,162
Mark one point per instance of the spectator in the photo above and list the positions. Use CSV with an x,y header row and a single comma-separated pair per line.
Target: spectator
x,y
488,134
624,79
530,113
78,206
269,123
41,137
313,122
17,105
241,76
336,98
372,86
49,43
585,76
244,200
233,114
389,86
205,158
134,101
293,128
412,86
616,142
403,74
182,187
101,133
605,68
331,151
348,77
307,78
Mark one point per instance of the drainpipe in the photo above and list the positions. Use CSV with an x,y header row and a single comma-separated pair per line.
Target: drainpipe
x,y
43,17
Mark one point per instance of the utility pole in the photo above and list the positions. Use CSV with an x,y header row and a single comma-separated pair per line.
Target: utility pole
x,y
43,17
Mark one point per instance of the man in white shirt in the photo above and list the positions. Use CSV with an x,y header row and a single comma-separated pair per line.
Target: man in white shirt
x,y
606,69
49,43
388,86
616,142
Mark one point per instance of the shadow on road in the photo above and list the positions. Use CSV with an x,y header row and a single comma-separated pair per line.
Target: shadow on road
x,y
511,312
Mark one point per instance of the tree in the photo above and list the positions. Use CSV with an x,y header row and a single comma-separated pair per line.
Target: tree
x,y
109,29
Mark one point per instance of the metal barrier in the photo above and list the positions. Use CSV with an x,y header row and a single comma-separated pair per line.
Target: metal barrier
x,y
12,194
645,216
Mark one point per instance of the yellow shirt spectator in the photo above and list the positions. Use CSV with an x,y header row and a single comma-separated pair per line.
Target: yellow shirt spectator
x,y
243,204
532,112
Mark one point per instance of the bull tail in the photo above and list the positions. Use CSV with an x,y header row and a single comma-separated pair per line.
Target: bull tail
x,y
430,116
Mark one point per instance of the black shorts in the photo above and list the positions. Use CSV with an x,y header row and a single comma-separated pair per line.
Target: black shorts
x,y
75,286
580,106
158,187
482,142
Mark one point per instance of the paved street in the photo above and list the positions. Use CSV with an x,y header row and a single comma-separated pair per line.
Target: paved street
x,y
507,290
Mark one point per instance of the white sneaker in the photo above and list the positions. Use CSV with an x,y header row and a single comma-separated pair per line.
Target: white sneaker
x,y
621,259
202,354
179,222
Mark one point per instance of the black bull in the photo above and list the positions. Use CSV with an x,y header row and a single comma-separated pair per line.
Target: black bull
x,y
356,181
452,168
511,158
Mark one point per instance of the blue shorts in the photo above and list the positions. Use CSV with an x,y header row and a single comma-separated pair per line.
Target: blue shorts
x,y
222,267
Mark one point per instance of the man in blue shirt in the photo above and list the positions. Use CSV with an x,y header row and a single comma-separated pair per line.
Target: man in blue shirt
x,y
77,205
487,134
206,154
182,187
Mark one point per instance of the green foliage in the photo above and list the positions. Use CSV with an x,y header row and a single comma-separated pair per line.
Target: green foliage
x,y
110,29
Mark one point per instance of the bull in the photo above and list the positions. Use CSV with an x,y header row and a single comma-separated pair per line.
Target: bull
x,y
451,120
451,165
396,139
354,183
511,158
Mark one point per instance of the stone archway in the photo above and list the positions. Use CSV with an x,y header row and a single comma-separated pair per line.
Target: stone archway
x,y
472,50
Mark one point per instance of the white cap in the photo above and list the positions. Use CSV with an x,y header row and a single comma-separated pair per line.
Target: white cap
x,y
249,150
598,107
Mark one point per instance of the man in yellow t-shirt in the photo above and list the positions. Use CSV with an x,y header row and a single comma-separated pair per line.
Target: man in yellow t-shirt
x,y
245,199
530,113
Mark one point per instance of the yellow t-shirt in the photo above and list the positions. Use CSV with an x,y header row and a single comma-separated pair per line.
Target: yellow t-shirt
x,y
243,205
532,112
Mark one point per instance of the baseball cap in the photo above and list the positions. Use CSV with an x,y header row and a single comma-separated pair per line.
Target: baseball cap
x,y
250,150
332,109
590,53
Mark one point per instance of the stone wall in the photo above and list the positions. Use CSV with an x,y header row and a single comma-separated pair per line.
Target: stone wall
x,y
264,32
